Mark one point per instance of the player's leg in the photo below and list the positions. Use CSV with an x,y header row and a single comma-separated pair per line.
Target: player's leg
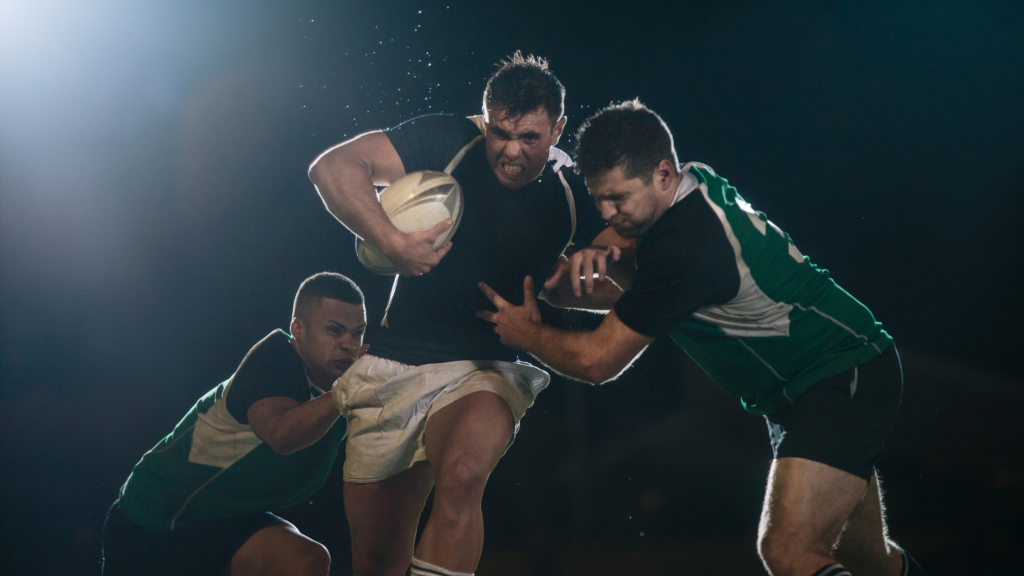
x,y
382,517
864,545
280,550
822,491
464,442
807,505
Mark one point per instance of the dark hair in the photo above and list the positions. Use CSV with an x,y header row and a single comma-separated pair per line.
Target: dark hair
x,y
324,285
628,134
523,84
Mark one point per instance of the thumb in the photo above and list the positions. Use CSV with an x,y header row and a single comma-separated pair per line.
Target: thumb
x,y
439,228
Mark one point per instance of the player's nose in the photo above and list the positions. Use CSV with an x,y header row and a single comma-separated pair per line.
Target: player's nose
x,y
512,149
607,210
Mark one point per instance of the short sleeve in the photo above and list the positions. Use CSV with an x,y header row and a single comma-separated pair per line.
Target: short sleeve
x,y
684,263
431,142
588,219
272,368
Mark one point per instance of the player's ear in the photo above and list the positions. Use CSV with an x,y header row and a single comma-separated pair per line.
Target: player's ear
x,y
558,128
298,329
664,173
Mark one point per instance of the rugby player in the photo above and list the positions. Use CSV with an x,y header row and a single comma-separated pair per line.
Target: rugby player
x,y
733,291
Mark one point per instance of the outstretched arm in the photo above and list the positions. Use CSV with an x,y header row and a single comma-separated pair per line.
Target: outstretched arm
x,y
595,357
345,176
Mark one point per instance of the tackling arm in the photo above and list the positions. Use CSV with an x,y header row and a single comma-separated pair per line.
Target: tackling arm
x,y
595,357
287,425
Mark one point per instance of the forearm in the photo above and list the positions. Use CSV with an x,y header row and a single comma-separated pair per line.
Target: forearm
x,y
571,354
301,425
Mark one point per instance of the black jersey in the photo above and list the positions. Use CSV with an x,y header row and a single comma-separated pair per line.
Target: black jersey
x,y
504,236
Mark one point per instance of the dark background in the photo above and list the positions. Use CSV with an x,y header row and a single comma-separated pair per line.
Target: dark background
x,y
157,220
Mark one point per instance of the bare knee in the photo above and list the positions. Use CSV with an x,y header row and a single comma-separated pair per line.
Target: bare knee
x,y
311,559
788,554
462,475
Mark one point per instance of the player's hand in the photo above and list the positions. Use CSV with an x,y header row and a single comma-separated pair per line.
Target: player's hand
x,y
583,264
413,253
513,324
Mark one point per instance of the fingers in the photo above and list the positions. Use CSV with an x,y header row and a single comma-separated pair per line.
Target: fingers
x,y
528,295
556,276
574,276
492,296
588,275
486,315
442,251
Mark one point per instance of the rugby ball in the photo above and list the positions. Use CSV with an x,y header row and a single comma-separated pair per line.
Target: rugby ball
x,y
415,202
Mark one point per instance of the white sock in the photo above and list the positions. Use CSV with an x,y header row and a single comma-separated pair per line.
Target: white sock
x,y
421,568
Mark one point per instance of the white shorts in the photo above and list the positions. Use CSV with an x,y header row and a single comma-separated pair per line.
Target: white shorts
x,y
387,405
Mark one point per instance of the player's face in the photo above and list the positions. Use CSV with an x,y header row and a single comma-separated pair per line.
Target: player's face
x,y
629,205
517,147
329,340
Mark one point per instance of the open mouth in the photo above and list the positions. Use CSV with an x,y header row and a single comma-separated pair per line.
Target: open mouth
x,y
511,169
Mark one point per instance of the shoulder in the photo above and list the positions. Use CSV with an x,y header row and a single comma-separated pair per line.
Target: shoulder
x,y
274,348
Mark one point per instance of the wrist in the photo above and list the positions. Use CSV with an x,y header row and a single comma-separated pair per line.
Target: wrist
x,y
391,241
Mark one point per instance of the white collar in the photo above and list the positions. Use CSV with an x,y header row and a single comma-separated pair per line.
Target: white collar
x,y
688,183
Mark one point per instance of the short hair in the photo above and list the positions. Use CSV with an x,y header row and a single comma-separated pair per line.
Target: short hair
x,y
627,134
523,84
324,285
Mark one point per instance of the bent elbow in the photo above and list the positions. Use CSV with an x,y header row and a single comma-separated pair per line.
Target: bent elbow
x,y
282,446
599,372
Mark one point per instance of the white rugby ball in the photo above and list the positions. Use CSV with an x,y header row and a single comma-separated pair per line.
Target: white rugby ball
x,y
415,202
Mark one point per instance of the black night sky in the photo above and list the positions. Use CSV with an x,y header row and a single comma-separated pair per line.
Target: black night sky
x,y
157,219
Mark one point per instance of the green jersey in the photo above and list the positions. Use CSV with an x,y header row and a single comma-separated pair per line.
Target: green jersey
x,y
734,292
213,466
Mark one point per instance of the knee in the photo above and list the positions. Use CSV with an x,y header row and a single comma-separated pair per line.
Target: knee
x,y
462,475
779,554
311,559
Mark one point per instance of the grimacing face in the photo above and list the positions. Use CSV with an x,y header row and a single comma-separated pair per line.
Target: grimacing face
x,y
329,341
517,147
629,205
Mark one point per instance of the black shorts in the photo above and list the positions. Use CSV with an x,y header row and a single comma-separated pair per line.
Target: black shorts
x,y
842,421
200,549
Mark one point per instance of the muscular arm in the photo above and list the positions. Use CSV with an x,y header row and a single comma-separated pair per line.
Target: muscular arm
x,y
288,426
345,176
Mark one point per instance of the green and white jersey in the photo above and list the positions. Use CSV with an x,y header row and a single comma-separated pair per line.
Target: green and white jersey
x,y
213,466
733,291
